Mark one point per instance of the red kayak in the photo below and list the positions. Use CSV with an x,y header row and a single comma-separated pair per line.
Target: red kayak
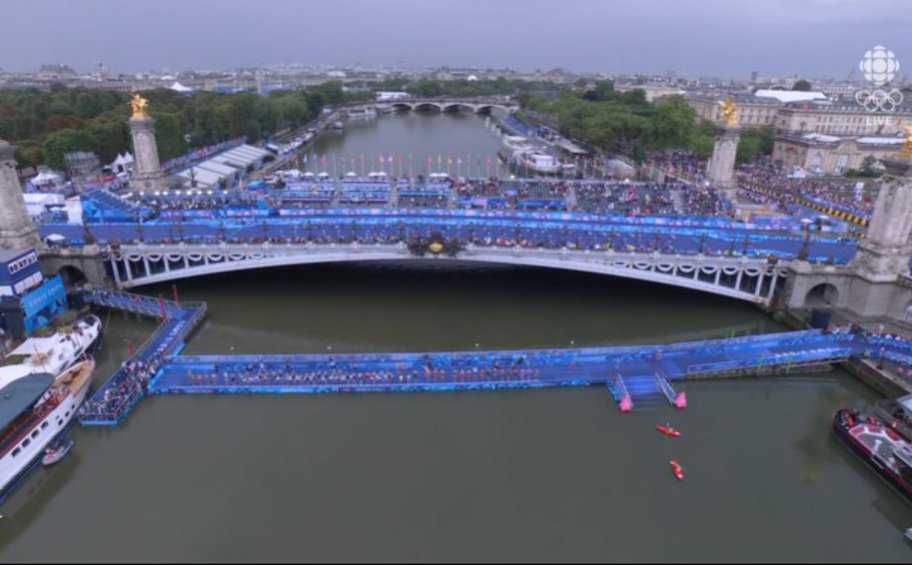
x,y
669,431
677,469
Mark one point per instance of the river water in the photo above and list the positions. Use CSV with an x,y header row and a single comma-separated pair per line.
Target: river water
x,y
534,475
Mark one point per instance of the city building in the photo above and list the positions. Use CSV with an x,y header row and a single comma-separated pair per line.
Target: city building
x,y
652,91
822,154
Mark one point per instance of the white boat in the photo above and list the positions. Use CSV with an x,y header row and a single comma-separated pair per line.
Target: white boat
x,y
57,450
510,145
362,113
909,534
54,353
530,158
34,410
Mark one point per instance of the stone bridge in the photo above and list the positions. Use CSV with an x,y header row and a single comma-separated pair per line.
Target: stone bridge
x,y
480,105
751,279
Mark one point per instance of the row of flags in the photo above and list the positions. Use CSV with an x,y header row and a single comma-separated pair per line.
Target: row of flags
x,y
383,159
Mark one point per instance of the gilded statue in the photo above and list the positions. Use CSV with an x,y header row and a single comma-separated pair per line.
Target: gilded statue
x,y
905,150
140,106
729,111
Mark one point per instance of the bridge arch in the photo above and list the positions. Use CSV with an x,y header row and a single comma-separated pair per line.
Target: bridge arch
x,y
751,280
458,106
71,275
427,106
823,295
401,106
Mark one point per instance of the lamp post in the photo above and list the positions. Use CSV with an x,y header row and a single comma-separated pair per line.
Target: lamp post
x,y
805,246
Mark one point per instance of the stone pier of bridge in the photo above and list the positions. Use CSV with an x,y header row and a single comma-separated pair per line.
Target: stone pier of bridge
x,y
876,284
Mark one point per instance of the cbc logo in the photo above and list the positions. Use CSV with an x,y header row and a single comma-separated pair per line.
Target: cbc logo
x,y
879,66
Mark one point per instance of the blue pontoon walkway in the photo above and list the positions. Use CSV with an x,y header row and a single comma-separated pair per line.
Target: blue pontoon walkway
x,y
644,372
635,365
111,403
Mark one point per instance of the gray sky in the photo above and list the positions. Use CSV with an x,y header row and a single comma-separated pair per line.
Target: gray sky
x,y
695,37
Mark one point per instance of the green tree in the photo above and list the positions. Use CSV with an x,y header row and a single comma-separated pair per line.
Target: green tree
x,y
702,138
754,143
108,139
65,141
169,136
672,123
802,85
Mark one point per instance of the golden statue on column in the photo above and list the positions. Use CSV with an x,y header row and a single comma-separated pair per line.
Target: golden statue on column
x,y
140,106
905,150
729,111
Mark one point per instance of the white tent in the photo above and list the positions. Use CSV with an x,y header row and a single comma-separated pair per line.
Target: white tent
x,y
123,162
47,177
178,87
786,96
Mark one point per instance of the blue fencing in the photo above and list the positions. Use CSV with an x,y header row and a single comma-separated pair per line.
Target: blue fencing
x,y
486,227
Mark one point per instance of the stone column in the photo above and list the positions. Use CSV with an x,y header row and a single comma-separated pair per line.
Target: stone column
x,y
16,228
885,252
147,171
721,170
883,256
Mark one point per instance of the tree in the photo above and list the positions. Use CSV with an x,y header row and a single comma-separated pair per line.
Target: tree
x,y
66,141
169,136
754,143
802,85
702,138
672,123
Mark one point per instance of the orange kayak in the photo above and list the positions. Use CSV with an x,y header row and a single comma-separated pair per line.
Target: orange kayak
x,y
677,469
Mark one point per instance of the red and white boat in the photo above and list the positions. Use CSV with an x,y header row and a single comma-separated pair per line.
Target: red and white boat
x,y
677,469
34,409
668,430
879,445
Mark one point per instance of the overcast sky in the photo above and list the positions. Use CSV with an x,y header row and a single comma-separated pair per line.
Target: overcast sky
x,y
694,37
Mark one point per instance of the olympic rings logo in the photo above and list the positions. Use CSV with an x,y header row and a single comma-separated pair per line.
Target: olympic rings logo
x,y
879,100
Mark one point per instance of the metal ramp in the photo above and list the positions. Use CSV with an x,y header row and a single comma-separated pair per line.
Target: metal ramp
x,y
676,399
621,394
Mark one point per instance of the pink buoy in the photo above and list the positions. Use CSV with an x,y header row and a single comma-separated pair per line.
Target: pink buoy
x,y
626,404
681,400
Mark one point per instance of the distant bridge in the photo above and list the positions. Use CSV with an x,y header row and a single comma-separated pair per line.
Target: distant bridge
x,y
751,279
478,105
